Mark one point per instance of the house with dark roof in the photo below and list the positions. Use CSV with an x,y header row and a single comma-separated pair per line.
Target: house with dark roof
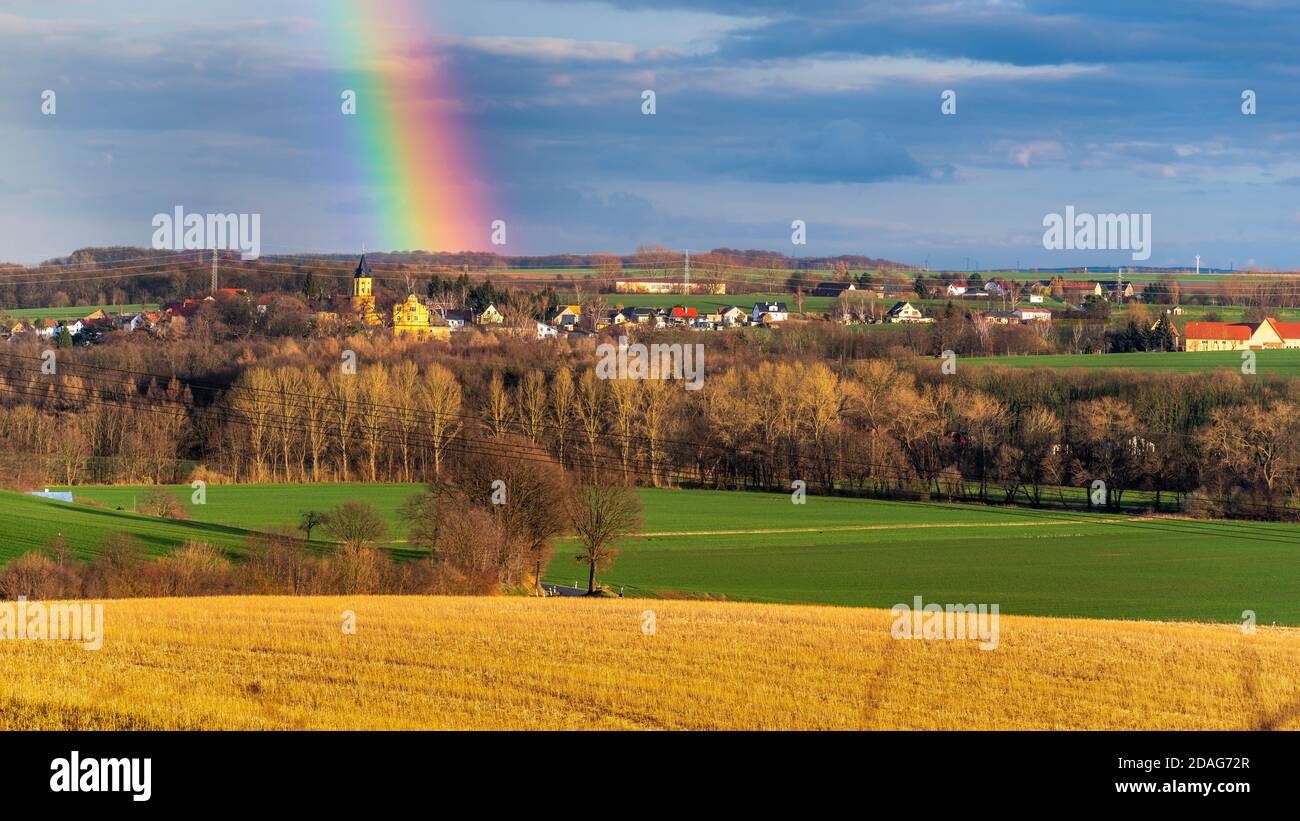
x,y
904,312
773,311
456,318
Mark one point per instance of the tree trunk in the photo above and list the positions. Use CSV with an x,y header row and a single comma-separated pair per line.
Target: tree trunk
x,y
591,579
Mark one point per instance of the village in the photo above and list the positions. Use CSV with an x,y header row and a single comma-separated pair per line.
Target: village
x,y
426,318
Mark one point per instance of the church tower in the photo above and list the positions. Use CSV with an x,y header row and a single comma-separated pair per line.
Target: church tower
x,y
363,296
361,279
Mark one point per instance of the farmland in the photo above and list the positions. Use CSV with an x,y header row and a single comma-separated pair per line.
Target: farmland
x,y
519,663
28,523
75,312
853,552
1045,563
1285,363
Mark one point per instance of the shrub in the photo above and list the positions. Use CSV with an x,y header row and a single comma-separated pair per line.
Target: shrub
x,y
163,503
38,577
198,569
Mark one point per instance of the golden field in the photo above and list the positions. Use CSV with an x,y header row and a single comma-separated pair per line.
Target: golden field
x,y
497,663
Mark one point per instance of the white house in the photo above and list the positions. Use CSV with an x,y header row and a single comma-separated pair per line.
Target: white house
x,y
545,331
904,312
997,287
1032,314
732,315
456,319
1037,299
954,289
134,322
776,311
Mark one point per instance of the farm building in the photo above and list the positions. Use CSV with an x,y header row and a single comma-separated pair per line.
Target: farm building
x,y
666,286
1241,336
1032,314
833,289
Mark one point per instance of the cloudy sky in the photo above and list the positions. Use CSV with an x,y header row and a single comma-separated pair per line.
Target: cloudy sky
x,y
767,111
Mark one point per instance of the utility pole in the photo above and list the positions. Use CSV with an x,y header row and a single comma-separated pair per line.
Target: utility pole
x,y
686,281
214,271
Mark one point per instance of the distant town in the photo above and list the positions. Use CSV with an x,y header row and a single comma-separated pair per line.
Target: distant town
x,y
1158,318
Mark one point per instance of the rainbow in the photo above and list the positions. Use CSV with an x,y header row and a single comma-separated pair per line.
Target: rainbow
x,y
412,157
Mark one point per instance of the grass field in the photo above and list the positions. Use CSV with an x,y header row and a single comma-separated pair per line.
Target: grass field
x,y
855,552
28,523
520,663
1135,276
1036,562
75,312
1285,363
260,507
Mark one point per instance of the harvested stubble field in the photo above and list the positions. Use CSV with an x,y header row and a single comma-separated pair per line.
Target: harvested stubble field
x,y
462,663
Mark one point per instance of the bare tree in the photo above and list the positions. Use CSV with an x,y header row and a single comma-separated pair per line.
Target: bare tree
x,y
601,513
356,524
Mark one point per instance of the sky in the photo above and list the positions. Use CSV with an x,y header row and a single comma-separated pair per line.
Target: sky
x,y
766,112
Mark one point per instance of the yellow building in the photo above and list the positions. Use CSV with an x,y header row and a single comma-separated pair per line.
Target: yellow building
x,y
363,296
412,320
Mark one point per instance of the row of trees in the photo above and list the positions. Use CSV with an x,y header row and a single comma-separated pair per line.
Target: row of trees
x,y
806,404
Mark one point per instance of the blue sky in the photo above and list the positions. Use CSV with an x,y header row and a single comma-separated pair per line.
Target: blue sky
x,y
767,112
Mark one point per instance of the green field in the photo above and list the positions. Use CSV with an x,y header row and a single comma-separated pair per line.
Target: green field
x,y
1037,562
761,547
1135,277
262,507
27,523
1284,363
75,312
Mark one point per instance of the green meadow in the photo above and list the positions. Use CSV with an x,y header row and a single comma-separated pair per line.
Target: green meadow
x,y
1053,563
75,312
831,550
1284,363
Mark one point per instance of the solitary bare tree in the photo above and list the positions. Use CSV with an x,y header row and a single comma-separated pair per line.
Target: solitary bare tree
x,y
602,513
356,524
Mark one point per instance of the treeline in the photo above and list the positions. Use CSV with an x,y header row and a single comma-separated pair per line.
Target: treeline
x,y
127,275
773,409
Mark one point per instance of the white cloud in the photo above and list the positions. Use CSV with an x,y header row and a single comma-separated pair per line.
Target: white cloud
x,y
851,74
563,49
